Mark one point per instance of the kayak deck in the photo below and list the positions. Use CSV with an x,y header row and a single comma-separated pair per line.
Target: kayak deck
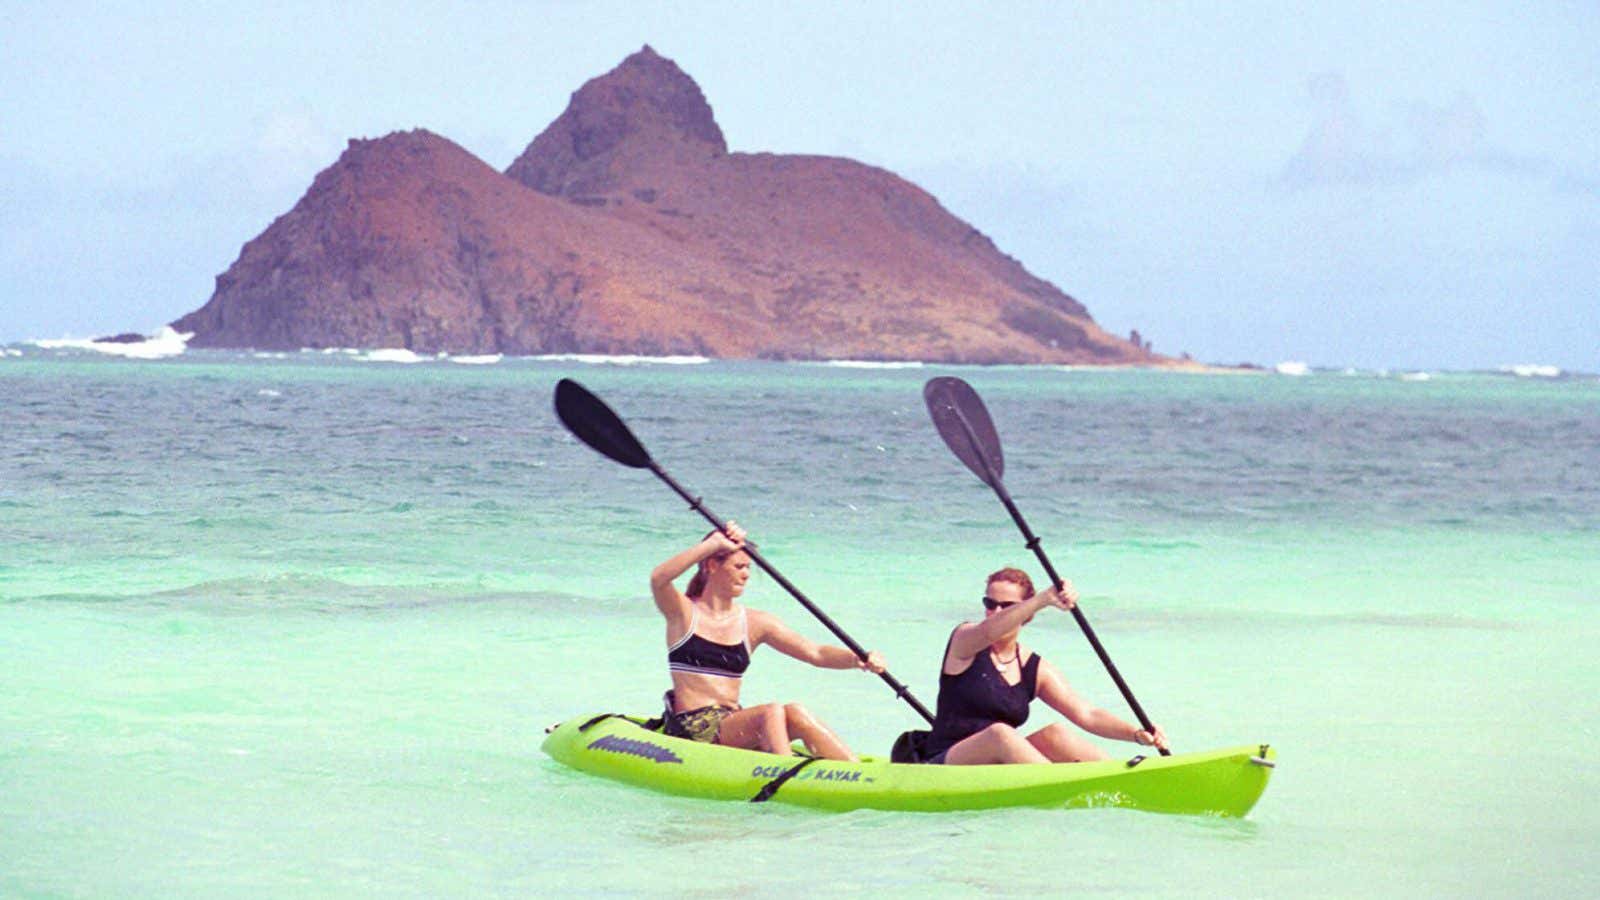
x,y
1215,782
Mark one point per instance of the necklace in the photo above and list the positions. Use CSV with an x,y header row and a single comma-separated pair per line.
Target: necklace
x,y
1016,657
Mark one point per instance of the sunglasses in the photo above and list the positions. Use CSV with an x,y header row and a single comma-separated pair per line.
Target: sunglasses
x,y
992,604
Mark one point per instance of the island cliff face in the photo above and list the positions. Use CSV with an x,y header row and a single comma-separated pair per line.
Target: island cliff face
x,y
628,227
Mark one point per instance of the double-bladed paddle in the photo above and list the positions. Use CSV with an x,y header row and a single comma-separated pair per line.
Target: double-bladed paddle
x,y
963,421
594,423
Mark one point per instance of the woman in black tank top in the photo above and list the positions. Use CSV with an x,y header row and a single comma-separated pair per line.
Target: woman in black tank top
x,y
987,680
709,642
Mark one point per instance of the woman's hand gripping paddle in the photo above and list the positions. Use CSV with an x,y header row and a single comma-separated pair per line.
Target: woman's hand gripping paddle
x,y
594,423
963,421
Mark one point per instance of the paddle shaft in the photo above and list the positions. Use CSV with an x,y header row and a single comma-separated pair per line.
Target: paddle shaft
x,y
900,690
1031,541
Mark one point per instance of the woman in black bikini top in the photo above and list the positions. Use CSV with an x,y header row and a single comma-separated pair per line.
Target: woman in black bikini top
x,y
988,679
709,642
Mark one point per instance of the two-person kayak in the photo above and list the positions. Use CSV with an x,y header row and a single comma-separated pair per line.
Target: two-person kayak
x,y
1215,782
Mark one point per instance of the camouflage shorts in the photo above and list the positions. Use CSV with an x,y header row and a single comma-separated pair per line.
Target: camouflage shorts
x,y
701,724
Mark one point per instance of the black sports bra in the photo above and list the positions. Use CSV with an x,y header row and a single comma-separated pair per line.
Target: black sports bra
x,y
695,655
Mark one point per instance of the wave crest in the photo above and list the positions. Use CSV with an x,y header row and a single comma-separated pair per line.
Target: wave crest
x,y
164,343
623,359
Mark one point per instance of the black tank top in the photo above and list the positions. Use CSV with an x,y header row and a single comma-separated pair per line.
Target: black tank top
x,y
979,697
698,656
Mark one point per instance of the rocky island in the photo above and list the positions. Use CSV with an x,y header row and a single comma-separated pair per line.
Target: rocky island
x,y
627,227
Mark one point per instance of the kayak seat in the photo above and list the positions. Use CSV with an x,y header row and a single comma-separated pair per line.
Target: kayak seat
x,y
911,747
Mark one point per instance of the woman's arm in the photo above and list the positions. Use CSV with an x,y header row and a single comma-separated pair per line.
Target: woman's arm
x,y
671,601
971,637
768,629
1056,694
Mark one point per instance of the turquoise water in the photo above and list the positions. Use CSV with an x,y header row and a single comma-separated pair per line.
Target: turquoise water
x,y
295,626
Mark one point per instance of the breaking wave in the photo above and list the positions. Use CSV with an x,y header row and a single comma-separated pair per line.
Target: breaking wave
x,y
391,355
873,364
160,345
601,359
1531,370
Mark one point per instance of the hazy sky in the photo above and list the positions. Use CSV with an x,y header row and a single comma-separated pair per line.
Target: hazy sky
x,y
1380,185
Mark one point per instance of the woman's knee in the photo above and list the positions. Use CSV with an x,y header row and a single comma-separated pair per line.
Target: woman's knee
x,y
995,743
1057,731
1000,731
769,712
1062,744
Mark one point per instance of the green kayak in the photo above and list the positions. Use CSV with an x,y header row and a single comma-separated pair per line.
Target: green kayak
x,y
1215,782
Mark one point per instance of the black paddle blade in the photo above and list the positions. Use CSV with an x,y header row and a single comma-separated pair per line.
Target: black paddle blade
x,y
964,423
593,422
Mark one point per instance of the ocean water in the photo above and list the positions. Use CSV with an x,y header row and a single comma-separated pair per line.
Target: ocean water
x,y
294,624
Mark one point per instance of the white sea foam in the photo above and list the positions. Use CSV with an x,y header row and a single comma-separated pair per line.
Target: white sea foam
x,y
391,355
160,345
1292,367
873,364
1532,370
601,359
270,355
347,351
1415,376
485,360
268,392
8,351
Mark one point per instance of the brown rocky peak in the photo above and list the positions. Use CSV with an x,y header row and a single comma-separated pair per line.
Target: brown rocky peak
x,y
416,153
381,176
643,235
645,109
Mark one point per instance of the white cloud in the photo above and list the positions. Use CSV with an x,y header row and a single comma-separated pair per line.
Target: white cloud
x,y
1421,139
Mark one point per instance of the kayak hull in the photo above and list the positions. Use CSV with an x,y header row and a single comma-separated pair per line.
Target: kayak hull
x,y
1215,782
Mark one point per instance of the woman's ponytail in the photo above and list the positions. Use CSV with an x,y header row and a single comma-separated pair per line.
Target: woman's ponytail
x,y
697,584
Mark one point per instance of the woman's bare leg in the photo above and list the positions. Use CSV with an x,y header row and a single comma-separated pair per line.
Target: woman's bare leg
x,y
1060,743
999,743
763,727
818,738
